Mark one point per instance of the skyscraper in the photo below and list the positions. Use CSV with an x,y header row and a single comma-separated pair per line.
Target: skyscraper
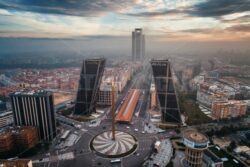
x,y
165,90
90,80
138,44
35,109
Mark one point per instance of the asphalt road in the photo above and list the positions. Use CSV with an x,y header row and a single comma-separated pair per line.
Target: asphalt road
x,y
84,156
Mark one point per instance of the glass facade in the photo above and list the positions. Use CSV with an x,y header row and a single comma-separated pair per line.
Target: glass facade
x,y
91,75
165,91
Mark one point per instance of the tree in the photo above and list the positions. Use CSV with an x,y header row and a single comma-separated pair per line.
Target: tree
x,y
232,146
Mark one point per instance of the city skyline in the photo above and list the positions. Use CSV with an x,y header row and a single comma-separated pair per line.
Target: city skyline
x,y
126,83
180,20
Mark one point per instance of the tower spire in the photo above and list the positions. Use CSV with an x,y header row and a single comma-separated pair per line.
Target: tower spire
x,y
113,111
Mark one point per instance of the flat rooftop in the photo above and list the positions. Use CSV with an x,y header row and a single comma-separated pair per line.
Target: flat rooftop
x,y
5,114
31,93
213,157
228,160
195,136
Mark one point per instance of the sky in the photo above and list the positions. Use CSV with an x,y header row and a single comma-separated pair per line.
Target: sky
x,y
164,20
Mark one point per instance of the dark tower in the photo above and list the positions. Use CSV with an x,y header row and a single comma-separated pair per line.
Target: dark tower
x,y
165,89
90,79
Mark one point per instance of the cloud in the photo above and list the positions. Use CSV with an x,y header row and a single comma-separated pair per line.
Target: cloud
x,y
240,28
192,19
66,7
217,8
198,30
5,13
155,13
237,20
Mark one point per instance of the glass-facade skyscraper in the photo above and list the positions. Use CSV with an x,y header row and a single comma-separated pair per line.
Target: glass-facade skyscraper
x,y
162,74
90,80
138,44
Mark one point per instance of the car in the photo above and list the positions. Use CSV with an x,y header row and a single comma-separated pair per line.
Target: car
x,y
92,121
143,132
136,129
137,154
127,127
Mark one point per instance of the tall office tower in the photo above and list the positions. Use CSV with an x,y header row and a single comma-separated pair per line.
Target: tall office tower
x,y
138,44
167,98
195,143
35,109
90,80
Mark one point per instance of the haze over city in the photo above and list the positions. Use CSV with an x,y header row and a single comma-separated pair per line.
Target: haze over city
x,y
212,25
130,83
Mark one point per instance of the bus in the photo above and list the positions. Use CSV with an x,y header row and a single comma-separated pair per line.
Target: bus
x,y
113,161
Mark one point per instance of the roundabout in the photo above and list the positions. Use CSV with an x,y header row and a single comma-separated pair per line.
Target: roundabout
x,y
104,145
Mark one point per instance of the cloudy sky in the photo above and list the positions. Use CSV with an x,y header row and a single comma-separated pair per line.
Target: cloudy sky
x,y
166,20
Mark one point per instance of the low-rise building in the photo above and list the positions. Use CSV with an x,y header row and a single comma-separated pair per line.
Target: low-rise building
x,y
16,163
25,137
211,160
206,99
6,143
228,159
221,142
243,150
18,139
163,155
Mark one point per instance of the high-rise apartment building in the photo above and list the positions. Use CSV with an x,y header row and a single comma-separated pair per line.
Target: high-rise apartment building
x,y
167,97
90,80
195,143
138,44
228,109
35,109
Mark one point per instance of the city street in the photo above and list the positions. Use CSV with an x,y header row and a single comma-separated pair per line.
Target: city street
x,y
81,149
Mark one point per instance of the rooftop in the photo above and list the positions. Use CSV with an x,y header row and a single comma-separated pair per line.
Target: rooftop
x,y
15,162
5,114
228,160
211,155
195,136
164,155
31,93
17,130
